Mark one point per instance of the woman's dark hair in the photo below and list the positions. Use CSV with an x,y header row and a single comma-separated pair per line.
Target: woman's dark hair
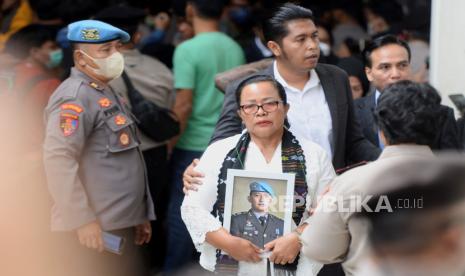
x,y
32,36
260,78
380,42
409,112
275,28
354,67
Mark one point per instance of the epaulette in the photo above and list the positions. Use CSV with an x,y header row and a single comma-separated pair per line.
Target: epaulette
x,y
238,214
96,86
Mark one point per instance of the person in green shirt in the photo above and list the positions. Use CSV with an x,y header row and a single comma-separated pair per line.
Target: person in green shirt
x,y
198,105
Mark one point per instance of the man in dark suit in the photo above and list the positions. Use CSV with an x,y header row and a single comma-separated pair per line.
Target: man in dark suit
x,y
321,106
258,225
387,60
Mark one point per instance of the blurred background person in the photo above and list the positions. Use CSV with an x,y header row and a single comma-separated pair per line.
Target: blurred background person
x,y
34,80
383,17
326,43
347,23
426,235
358,81
198,105
14,15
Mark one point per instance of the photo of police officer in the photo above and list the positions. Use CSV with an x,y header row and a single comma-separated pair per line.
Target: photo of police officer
x,y
258,225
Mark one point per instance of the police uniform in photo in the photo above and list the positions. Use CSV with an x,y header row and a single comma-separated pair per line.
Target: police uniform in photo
x,y
259,230
95,169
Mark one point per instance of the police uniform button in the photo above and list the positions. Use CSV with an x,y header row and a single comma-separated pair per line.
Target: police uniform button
x,y
264,235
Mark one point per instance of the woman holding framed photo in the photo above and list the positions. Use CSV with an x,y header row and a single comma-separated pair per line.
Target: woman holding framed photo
x,y
264,146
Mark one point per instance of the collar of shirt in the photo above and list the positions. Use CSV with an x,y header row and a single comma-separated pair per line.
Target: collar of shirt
x,y
263,49
377,94
313,82
406,150
259,214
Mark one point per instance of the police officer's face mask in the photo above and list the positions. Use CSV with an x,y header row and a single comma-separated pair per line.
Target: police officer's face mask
x,y
110,67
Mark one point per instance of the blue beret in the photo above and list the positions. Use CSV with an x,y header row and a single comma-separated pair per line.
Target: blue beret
x,y
94,31
261,186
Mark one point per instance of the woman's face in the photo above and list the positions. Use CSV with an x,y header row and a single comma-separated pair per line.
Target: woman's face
x,y
262,110
356,87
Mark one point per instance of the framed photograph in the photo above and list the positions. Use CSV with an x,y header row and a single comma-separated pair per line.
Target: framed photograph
x,y
258,205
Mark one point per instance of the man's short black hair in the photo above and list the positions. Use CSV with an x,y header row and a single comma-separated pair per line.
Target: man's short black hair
x,y
275,28
260,78
32,36
381,42
208,9
409,113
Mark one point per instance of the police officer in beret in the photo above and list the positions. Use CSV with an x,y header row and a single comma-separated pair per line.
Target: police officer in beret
x,y
95,170
258,225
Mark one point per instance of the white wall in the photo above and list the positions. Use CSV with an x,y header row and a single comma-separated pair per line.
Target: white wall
x,y
447,60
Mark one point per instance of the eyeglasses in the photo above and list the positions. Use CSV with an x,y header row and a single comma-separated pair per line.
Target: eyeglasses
x,y
253,108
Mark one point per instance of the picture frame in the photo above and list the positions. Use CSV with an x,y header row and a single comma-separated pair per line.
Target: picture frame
x,y
240,213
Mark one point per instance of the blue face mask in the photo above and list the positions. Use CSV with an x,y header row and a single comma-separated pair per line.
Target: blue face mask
x,y
55,58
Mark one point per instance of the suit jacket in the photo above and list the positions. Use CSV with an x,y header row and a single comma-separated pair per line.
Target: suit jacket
x,y
461,131
247,226
447,138
348,140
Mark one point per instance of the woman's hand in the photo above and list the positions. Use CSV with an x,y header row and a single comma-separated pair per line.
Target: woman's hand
x,y
284,249
243,250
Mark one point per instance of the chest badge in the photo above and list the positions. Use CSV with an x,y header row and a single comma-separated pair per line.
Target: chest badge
x,y
124,139
104,102
120,120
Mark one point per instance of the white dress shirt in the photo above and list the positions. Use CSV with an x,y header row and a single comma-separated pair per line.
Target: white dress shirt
x,y
309,114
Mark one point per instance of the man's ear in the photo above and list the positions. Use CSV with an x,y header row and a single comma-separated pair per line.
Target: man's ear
x,y
249,199
274,48
78,57
136,37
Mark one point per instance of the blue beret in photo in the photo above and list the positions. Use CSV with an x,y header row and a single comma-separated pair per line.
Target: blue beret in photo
x,y
261,186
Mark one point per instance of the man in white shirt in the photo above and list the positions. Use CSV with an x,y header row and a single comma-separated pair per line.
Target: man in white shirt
x,y
321,106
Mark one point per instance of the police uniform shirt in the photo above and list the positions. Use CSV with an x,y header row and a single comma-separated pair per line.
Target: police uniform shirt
x,y
94,167
246,225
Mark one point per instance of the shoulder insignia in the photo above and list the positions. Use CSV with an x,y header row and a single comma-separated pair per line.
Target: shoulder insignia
x,y
69,123
120,120
90,34
74,107
96,86
104,102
